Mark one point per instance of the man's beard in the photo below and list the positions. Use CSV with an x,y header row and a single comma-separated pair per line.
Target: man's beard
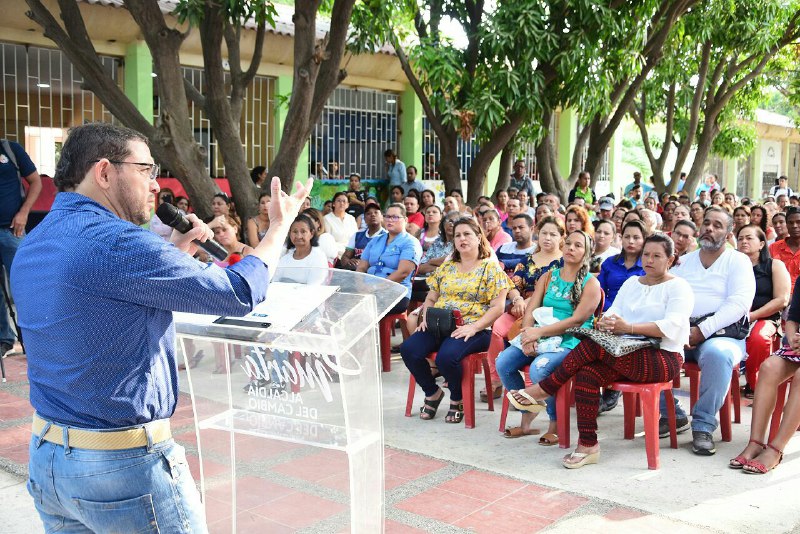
x,y
709,245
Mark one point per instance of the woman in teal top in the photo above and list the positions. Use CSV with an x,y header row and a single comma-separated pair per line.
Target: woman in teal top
x,y
573,305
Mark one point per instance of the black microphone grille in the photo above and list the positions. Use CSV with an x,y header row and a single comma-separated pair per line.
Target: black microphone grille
x,y
169,214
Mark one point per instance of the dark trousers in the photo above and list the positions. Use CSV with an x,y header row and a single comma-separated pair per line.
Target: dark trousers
x,y
415,351
400,307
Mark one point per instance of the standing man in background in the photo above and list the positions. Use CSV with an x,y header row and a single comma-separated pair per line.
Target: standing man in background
x,y
395,169
521,181
15,205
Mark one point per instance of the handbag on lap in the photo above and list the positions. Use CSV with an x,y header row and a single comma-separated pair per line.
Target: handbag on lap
x,y
612,343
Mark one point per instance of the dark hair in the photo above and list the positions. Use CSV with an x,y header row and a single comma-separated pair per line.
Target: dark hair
x,y
551,220
412,167
432,193
315,215
764,215
372,206
256,172
792,210
633,224
389,153
663,240
441,222
717,209
484,248
686,222
625,204
224,197
339,194
763,254
398,188
178,199
743,208
308,222
263,194
527,218
455,190
88,143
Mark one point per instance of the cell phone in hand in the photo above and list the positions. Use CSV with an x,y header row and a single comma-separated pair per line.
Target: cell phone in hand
x,y
459,319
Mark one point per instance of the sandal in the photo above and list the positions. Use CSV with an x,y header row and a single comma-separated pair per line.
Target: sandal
x,y
428,410
754,467
496,392
535,406
456,413
583,459
548,439
739,461
518,432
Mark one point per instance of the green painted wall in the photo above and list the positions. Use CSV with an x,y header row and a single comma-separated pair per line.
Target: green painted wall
x,y
283,86
411,134
567,138
139,78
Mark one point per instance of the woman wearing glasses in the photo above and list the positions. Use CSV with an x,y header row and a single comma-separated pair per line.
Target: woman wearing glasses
x,y
393,255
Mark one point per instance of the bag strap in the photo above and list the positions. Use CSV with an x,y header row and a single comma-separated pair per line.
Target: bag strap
x,y
13,158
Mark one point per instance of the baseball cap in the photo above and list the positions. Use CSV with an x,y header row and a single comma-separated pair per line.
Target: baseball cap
x,y
606,203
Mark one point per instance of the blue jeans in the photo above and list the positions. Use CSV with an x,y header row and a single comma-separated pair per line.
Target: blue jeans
x,y
511,360
131,490
716,358
8,248
449,354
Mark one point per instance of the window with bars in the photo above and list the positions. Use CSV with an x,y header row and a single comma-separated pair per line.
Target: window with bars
x,y
258,109
356,128
466,150
42,97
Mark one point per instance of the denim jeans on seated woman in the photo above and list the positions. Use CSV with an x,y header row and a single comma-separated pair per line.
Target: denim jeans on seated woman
x,y
511,360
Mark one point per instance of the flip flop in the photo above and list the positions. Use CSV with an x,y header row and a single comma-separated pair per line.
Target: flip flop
x,y
583,459
548,439
535,406
517,432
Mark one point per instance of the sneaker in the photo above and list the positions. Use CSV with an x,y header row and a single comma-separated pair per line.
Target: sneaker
x,y
681,425
702,443
609,400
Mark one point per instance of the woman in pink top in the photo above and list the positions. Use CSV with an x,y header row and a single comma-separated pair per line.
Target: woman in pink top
x,y
490,220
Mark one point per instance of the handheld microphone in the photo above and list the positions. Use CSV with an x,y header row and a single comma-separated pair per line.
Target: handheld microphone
x,y
172,217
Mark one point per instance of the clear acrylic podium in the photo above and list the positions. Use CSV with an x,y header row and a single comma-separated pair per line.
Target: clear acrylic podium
x,y
274,392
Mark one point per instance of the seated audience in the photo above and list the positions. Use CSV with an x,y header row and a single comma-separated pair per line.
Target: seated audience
x,y
779,224
605,234
490,221
304,262
502,204
226,233
393,255
616,269
655,304
723,286
257,226
356,197
512,254
183,204
741,218
358,242
788,249
340,224
583,190
427,198
326,241
772,296
473,283
573,294
396,195
432,228
684,234
156,226
760,456
512,210
416,220
577,218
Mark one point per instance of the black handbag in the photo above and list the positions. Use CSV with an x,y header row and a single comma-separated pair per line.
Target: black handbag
x,y
441,322
737,330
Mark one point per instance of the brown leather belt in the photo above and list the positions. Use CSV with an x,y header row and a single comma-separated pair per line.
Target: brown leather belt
x,y
104,440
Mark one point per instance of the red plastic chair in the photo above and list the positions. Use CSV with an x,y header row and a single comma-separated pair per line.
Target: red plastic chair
x,y
471,365
693,373
645,397
385,333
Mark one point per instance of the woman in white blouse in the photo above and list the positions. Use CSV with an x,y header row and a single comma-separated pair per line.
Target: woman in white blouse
x,y
340,224
304,262
655,305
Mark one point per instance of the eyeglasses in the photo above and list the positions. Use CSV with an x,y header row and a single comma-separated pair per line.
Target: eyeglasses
x,y
154,168
392,217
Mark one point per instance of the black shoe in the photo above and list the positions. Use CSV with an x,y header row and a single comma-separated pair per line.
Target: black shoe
x,y
5,348
609,400
702,443
681,425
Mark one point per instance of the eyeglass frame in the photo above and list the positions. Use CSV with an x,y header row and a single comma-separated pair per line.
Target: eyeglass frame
x,y
155,168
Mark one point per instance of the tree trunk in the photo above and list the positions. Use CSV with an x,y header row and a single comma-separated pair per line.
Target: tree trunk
x,y
549,176
506,167
499,138
704,143
449,168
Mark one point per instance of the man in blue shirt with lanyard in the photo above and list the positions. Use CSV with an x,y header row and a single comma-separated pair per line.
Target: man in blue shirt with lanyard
x,y
15,205
95,295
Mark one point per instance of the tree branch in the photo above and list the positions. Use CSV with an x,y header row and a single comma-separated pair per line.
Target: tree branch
x,y
194,95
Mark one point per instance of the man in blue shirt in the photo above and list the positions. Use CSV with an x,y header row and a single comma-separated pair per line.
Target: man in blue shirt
x,y
15,205
521,181
395,169
95,294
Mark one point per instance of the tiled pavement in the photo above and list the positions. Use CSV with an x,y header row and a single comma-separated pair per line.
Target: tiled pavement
x,y
422,494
